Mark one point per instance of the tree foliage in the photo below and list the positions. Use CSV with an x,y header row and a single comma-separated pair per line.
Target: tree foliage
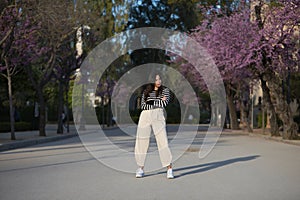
x,y
246,50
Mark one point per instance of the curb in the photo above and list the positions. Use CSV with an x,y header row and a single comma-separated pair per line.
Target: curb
x,y
268,137
35,141
30,142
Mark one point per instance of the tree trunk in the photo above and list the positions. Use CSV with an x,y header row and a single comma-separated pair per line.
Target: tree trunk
x,y
246,115
290,128
60,129
102,104
42,114
11,108
108,112
249,118
184,114
267,103
67,106
242,115
232,111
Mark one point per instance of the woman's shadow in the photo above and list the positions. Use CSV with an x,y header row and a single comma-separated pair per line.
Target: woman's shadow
x,y
194,169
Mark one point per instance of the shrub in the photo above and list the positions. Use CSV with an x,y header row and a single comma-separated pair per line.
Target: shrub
x,y
259,120
19,126
297,120
204,117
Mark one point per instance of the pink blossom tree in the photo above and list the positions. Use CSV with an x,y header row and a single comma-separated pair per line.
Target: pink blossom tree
x,y
279,25
245,51
231,41
17,50
56,27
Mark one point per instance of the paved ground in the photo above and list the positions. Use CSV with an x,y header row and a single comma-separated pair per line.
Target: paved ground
x,y
239,167
27,138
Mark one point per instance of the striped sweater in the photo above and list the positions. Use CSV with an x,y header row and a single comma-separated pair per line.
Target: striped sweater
x,y
155,102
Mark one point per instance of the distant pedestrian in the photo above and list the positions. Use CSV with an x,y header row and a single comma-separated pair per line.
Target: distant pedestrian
x,y
17,115
63,119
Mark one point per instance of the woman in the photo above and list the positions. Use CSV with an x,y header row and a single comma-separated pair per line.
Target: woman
x,y
154,99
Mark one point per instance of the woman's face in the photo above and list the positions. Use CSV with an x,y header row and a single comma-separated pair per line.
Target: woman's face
x,y
157,81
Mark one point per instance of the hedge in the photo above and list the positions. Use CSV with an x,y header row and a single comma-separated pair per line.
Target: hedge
x,y
19,126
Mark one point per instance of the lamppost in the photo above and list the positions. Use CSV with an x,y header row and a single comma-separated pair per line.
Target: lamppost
x,y
83,79
82,121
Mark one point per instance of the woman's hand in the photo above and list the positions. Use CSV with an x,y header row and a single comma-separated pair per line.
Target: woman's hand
x,y
164,98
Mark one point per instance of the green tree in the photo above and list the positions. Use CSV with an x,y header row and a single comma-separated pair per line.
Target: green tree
x,y
176,15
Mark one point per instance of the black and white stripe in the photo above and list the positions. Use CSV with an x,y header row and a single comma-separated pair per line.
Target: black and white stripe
x,y
155,102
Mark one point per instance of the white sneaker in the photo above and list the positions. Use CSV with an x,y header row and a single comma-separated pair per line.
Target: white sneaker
x,y
170,173
139,173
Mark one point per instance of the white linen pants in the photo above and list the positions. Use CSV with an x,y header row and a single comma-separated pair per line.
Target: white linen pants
x,y
152,118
